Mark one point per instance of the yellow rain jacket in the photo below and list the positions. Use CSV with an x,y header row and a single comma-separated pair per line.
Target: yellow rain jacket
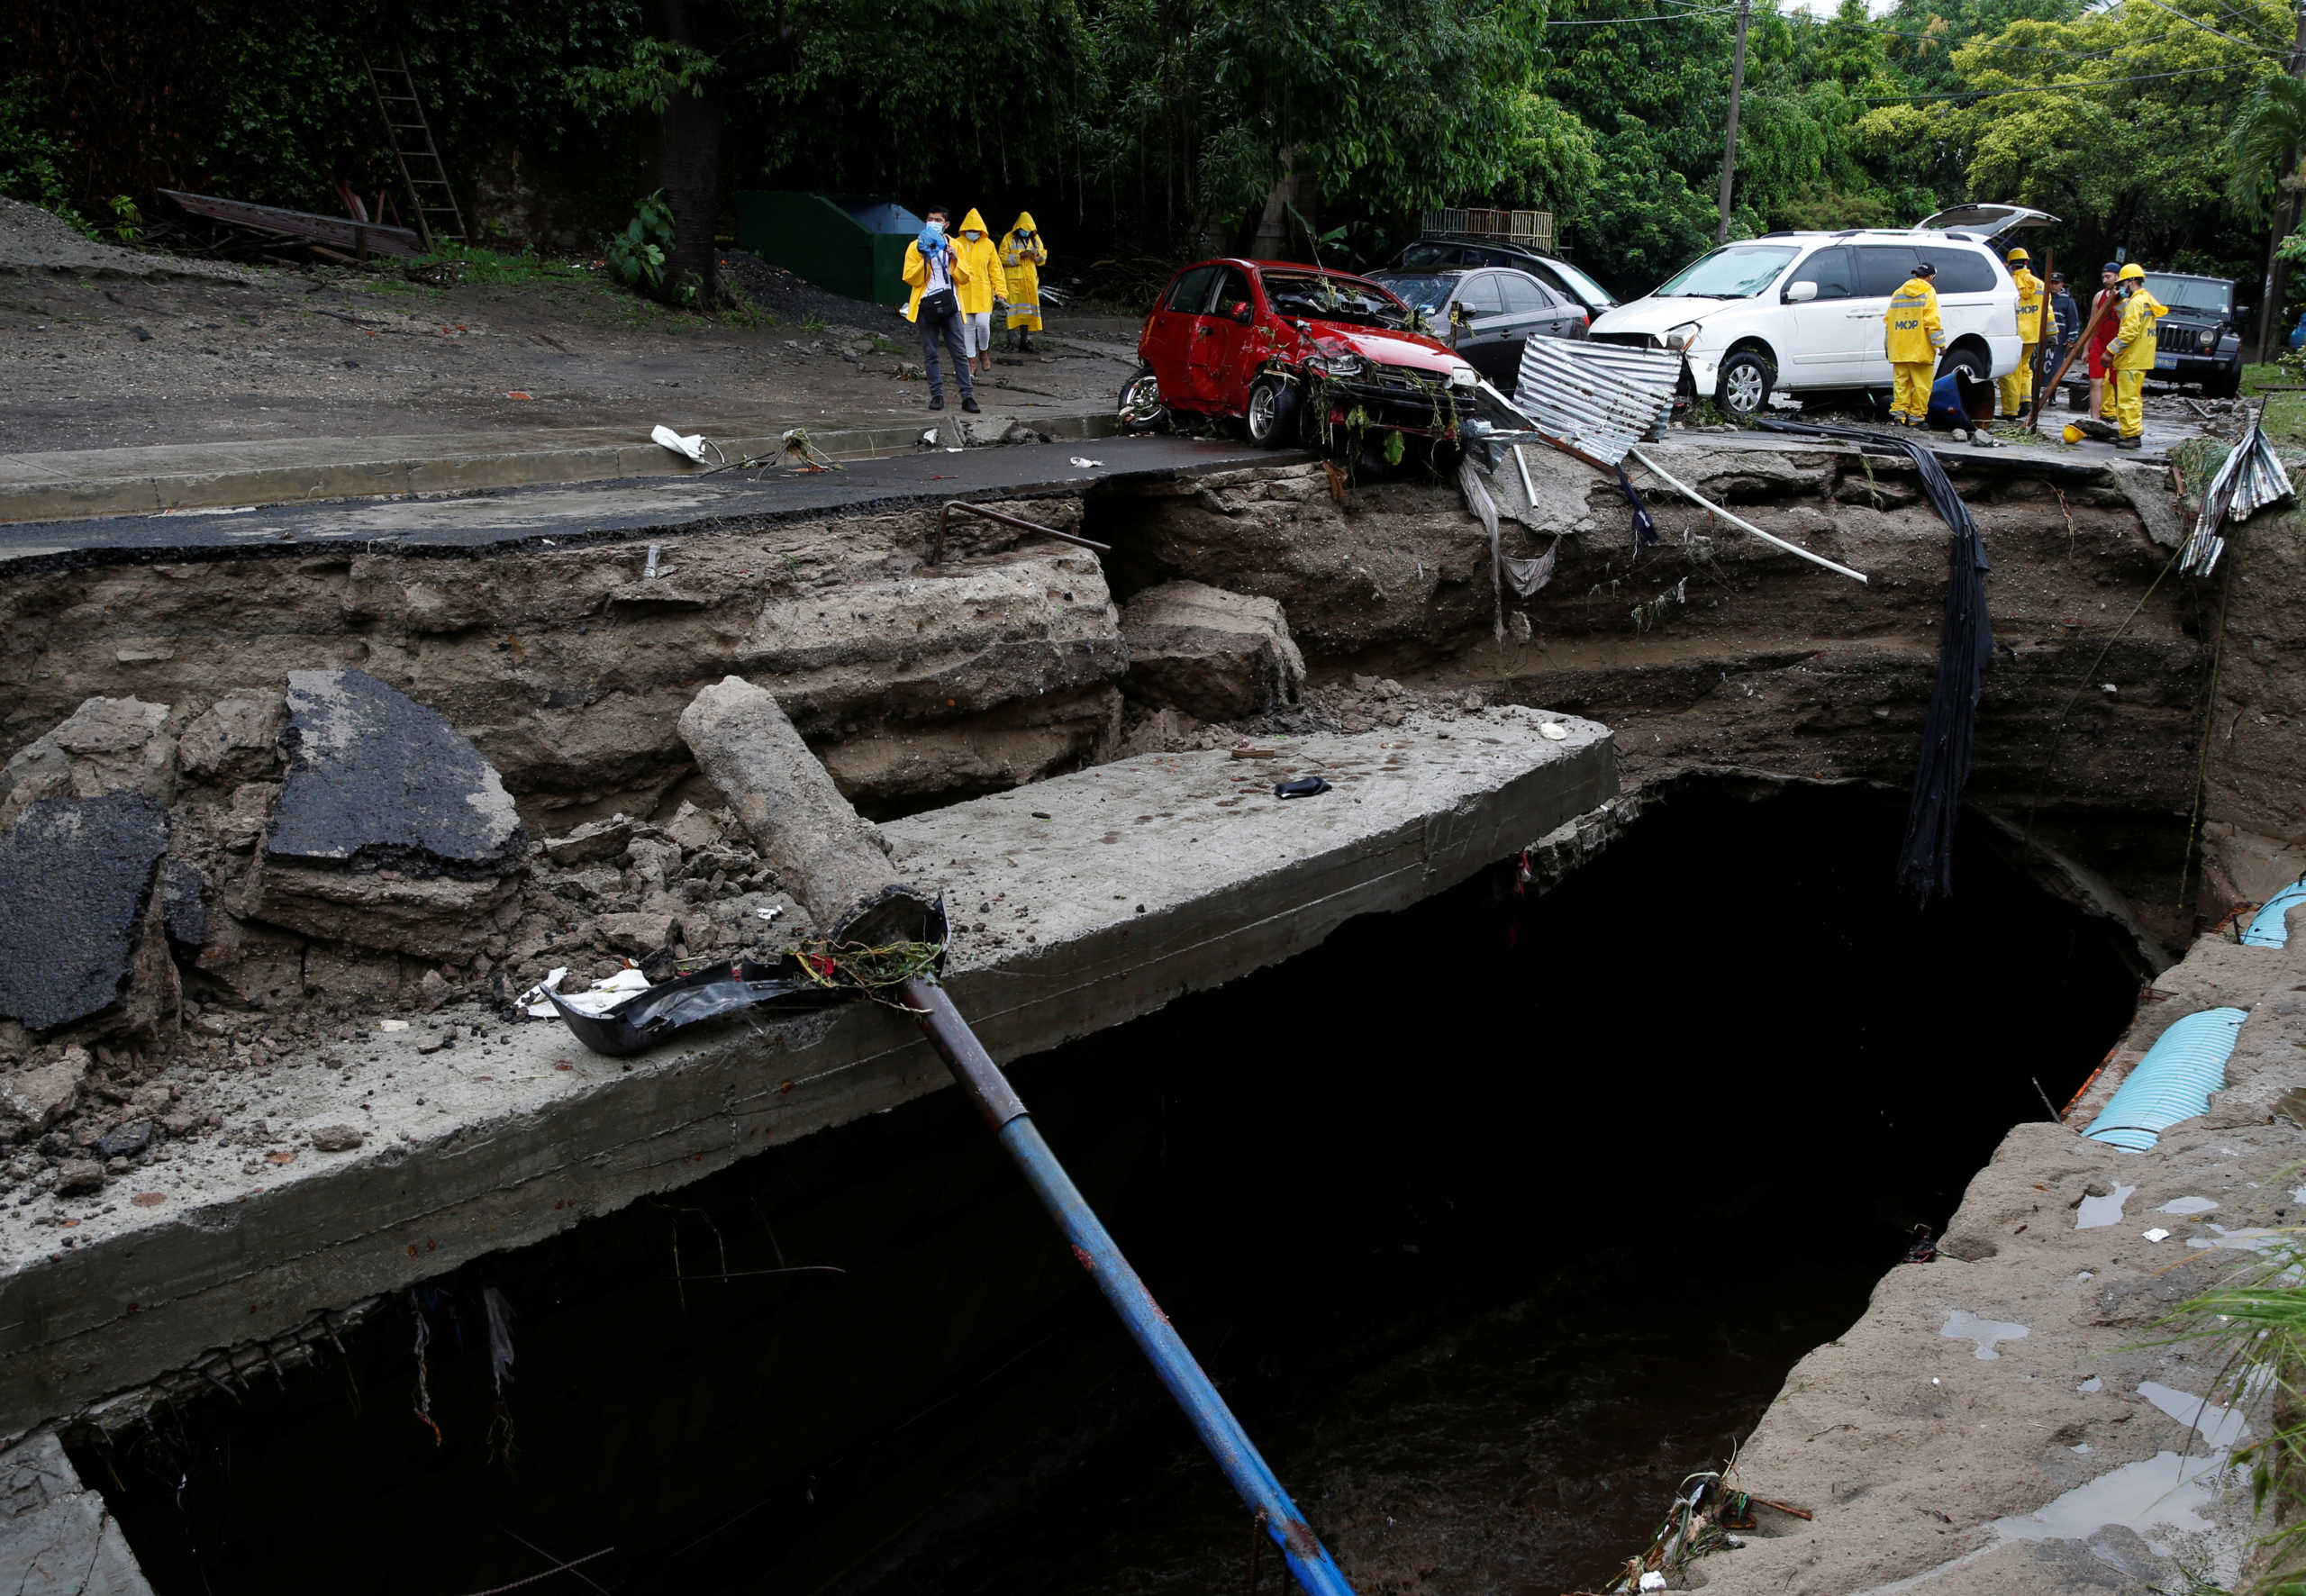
x,y
982,257
2133,346
1912,330
916,272
2029,305
1023,253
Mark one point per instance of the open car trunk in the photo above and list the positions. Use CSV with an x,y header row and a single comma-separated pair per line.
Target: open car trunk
x,y
1991,223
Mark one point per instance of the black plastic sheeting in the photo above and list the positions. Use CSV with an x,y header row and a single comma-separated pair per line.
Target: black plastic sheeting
x,y
730,987
1964,644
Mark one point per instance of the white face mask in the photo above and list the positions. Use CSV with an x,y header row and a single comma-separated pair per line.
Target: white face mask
x,y
972,235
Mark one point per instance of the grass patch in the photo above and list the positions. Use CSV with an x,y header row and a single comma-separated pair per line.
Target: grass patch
x,y
474,263
2286,413
2255,1321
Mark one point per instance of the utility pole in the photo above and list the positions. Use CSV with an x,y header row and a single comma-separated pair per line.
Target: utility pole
x,y
1737,90
2272,286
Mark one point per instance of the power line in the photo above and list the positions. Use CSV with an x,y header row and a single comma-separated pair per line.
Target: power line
x,y
2038,50
1663,17
2037,88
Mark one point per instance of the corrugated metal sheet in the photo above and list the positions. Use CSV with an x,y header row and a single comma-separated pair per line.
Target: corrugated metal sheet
x,y
2251,479
2270,927
2171,1083
1599,398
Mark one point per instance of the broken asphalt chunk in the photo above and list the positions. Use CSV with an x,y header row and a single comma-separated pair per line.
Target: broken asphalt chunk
x,y
76,880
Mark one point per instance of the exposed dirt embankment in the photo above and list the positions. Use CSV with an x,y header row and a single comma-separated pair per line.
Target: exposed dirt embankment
x,y
2014,1416
570,667
1714,648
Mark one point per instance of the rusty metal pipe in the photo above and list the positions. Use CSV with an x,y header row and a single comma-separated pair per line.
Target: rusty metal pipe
x,y
1097,1252
945,517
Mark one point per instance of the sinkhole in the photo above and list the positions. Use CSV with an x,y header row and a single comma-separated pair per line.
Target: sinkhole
x,y
1493,1218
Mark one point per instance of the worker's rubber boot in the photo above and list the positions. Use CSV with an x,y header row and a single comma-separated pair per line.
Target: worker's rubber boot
x,y
1024,343
2130,442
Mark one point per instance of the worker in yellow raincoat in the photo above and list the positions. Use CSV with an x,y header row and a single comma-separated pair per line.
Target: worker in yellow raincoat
x,y
1023,253
933,269
980,257
2018,387
2130,355
1912,336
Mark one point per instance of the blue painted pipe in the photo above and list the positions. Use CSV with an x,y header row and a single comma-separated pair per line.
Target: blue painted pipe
x,y
1211,1419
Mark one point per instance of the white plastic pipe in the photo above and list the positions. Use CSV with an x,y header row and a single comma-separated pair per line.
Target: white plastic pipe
x,y
1695,497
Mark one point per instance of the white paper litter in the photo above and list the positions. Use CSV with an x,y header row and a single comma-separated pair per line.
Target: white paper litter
x,y
392,1025
1086,464
605,997
770,913
2157,1234
692,446
1552,730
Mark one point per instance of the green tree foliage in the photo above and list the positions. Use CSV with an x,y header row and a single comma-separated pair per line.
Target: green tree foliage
x,y
2144,162
1169,126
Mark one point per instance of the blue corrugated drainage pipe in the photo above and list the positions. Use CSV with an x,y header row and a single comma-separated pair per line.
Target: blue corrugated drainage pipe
x,y
2171,1083
1211,1419
2270,927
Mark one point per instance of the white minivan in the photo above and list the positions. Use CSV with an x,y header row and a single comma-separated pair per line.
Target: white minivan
x,y
1802,312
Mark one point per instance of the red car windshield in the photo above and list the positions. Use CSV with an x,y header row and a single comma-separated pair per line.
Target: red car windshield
x,y
1319,296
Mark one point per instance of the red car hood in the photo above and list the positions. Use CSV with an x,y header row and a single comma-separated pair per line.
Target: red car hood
x,y
1386,348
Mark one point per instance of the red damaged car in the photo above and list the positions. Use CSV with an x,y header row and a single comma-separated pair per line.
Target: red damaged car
x,y
1291,352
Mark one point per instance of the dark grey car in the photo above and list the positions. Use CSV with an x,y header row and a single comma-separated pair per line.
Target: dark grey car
x,y
1486,316
1441,254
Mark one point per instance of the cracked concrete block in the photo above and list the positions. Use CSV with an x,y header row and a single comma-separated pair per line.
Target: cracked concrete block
x,y
437,916
44,1093
76,877
594,839
376,778
694,828
107,745
2148,488
944,643
635,933
56,1538
235,739
1215,655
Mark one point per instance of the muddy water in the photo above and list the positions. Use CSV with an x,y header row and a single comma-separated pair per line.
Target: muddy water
x,y
1492,1220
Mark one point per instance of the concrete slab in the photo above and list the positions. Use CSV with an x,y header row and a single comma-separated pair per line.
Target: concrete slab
x,y
55,484
1080,902
56,1538
623,509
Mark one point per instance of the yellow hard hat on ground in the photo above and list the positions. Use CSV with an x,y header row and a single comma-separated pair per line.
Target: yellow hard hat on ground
x,y
2132,273
2018,258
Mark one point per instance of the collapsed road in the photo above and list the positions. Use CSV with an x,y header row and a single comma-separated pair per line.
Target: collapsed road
x,y
303,1096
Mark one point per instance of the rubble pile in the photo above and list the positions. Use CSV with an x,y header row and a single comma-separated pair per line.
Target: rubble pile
x,y
195,896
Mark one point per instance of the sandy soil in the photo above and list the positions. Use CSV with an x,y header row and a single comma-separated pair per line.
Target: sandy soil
x,y
95,354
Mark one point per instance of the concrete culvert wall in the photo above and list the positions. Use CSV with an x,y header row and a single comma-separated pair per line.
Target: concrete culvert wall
x,y
1489,1145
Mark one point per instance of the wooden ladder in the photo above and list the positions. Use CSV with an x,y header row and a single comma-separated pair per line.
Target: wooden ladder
x,y
432,201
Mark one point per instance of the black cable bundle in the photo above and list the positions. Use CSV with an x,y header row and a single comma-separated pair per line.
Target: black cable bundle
x,y
1964,643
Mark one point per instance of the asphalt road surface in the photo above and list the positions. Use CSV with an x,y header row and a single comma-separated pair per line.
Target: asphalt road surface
x,y
615,510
